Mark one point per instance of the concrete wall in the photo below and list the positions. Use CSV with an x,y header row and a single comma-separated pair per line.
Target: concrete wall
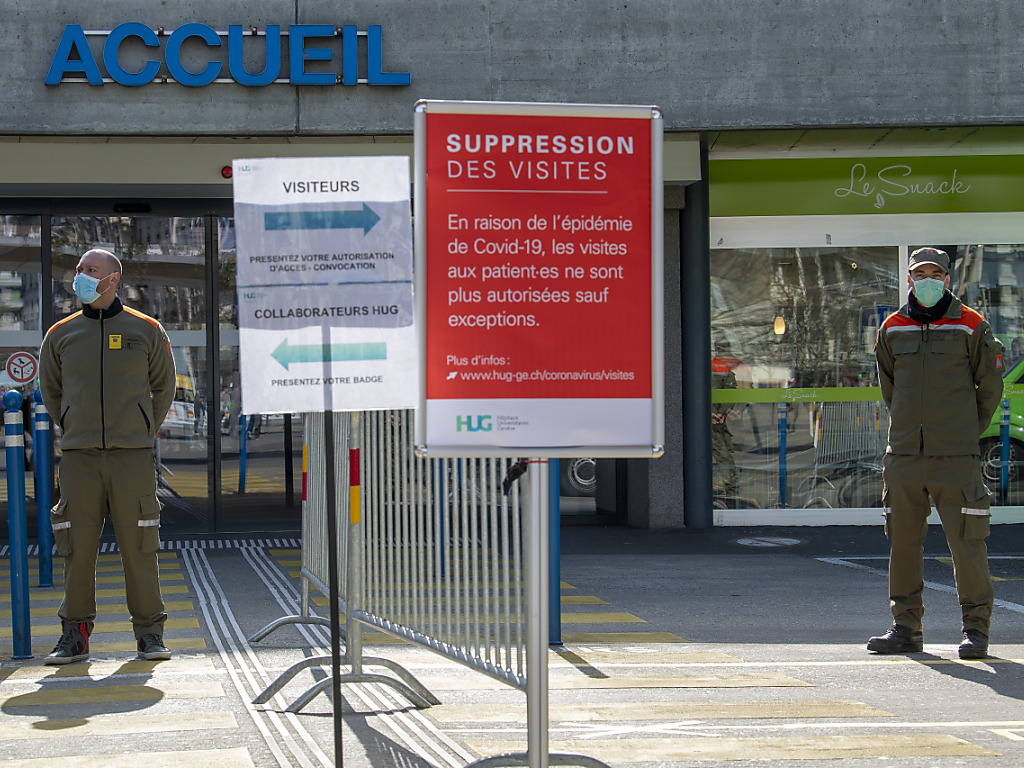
x,y
709,65
656,485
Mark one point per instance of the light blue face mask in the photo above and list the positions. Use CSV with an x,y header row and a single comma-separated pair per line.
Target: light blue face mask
x,y
85,288
928,291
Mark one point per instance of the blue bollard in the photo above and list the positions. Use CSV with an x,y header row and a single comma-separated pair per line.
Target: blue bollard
x,y
1004,458
43,474
17,525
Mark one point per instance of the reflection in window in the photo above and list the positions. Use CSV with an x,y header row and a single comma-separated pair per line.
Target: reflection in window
x,y
162,258
19,273
990,279
228,310
797,317
801,317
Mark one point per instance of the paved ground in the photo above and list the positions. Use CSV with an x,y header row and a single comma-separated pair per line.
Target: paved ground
x,y
680,649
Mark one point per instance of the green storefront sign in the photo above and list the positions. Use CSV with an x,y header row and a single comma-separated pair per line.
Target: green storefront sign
x,y
867,185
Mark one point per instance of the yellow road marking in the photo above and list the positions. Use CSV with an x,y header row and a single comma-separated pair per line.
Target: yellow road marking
x,y
103,627
624,712
102,694
621,637
114,557
836,747
174,643
57,592
34,671
113,725
563,682
208,758
589,657
125,646
103,609
582,600
119,579
600,618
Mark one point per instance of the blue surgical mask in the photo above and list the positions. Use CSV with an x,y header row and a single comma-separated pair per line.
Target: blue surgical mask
x,y
85,288
928,291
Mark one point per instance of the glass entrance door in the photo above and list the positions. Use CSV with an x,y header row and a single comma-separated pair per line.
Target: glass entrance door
x,y
178,269
260,455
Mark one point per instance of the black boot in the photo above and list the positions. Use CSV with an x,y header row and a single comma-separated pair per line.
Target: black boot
x,y
974,644
898,639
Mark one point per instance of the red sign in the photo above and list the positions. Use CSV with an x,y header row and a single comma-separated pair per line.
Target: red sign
x,y
537,274
22,367
538,257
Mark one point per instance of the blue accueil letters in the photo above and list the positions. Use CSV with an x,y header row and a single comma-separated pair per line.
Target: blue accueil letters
x,y
308,44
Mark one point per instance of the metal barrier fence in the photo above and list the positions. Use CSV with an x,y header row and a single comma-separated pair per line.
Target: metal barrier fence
x,y
441,547
436,554
442,550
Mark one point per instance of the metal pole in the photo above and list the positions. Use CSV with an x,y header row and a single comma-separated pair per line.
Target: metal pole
x,y
537,614
43,474
782,455
554,554
241,452
330,498
1004,458
354,560
17,525
289,472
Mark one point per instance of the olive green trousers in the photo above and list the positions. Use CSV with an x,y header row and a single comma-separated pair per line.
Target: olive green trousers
x,y
956,486
121,482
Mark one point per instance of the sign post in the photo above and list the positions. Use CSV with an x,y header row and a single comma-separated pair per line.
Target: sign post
x,y
325,312
539,279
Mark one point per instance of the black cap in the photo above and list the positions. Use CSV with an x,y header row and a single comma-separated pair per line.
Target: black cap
x,y
929,256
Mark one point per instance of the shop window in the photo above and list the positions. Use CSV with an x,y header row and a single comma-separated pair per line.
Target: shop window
x,y
792,328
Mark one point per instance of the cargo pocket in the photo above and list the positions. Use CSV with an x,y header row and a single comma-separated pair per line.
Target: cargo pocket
x,y
149,524
976,512
61,526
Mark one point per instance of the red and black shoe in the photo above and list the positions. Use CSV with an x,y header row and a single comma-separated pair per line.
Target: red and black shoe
x,y
73,645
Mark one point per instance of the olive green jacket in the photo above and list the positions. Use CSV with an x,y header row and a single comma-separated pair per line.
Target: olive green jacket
x,y
942,381
107,378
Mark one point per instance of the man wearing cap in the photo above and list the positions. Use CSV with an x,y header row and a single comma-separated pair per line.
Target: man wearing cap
x,y
940,370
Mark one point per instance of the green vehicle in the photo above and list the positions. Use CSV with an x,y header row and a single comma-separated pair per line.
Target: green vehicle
x,y
991,441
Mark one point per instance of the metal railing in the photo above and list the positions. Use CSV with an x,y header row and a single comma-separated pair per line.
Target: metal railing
x,y
443,550
440,553
436,558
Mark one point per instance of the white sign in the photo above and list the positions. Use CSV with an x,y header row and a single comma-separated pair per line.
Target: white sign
x,y
324,276
22,367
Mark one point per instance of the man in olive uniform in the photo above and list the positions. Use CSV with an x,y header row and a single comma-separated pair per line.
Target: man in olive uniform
x,y
940,370
107,378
